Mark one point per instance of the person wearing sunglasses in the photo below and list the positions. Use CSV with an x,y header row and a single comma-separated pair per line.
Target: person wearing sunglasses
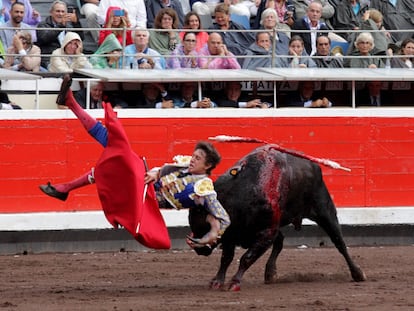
x,y
185,55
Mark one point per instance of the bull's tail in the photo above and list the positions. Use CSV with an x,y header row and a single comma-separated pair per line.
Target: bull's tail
x,y
239,139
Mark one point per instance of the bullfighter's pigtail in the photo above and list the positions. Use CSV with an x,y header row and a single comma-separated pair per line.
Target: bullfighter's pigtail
x,y
239,139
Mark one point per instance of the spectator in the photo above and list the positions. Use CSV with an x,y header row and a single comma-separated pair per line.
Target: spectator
x,y
31,15
192,21
6,104
373,21
188,99
233,99
139,55
237,42
108,55
50,39
29,54
89,8
327,10
307,97
364,44
153,93
16,22
373,95
349,15
155,6
406,55
311,22
165,41
323,57
205,7
1,13
96,97
298,58
270,22
284,10
262,47
136,10
398,15
116,18
69,56
185,55
215,47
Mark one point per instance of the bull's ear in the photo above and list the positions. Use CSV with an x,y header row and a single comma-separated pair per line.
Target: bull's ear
x,y
235,170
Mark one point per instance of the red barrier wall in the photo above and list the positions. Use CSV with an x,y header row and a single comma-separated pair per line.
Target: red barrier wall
x,y
380,152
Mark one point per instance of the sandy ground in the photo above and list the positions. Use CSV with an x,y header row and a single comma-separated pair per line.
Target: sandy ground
x,y
309,279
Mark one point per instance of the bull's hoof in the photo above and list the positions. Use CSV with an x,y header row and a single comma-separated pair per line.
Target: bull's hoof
x,y
358,275
270,276
234,286
216,284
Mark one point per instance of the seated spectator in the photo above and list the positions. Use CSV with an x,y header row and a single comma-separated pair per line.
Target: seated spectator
x,y
136,10
364,44
1,13
165,41
116,18
188,99
69,56
139,55
262,47
298,58
155,6
215,47
16,22
284,10
31,15
405,57
327,10
192,21
6,104
153,93
50,39
270,23
307,97
398,15
236,42
373,21
373,95
96,97
108,55
89,8
349,15
323,57
233,98
29,54
204,7
312,21
185,55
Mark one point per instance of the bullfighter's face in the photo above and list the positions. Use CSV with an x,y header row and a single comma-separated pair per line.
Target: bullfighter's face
x,y
198,163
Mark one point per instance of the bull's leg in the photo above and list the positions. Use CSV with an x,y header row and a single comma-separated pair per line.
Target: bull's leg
x,y
271,272
249,257
227,256
328,221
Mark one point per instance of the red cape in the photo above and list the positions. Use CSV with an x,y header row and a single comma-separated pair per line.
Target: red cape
x,y
119,177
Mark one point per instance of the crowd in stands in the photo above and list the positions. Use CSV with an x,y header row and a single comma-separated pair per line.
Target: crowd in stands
x,y
169,34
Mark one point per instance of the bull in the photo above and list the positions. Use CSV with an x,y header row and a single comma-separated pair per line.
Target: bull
x,y
264,191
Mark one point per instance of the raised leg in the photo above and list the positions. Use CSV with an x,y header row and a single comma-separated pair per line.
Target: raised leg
x,y
259,247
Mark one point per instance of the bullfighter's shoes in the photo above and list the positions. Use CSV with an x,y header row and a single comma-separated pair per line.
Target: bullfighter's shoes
x,y
64,88
52,192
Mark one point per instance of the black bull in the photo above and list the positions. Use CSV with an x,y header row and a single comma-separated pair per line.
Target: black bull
x,y
264,191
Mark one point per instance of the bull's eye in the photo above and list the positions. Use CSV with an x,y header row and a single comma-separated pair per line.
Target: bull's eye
x,y
235,170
